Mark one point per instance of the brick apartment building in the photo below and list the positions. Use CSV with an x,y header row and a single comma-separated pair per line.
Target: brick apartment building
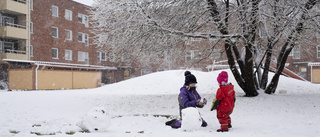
x,y
304,60
46,44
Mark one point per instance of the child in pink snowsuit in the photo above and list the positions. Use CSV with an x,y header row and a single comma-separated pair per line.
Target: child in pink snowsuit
x,y
224,102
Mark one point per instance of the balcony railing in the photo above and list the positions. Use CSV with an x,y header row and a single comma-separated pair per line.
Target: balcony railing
x,y
21,1
14,51
13,25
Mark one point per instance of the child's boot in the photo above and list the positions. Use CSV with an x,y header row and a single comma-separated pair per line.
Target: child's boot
x,y
221,130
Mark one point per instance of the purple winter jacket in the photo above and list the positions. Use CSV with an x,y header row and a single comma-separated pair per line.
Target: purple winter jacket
x,y
188,98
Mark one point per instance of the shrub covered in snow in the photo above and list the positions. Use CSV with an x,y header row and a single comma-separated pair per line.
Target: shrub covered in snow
x,y
191,119
96,120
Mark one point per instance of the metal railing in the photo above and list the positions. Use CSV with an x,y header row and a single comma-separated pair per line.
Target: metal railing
x,y
13,25
13,51
20,1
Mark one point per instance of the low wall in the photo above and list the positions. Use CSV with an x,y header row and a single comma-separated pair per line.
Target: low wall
x,y
21,79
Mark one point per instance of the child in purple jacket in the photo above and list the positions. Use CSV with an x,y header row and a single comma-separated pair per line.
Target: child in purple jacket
x,y
188,97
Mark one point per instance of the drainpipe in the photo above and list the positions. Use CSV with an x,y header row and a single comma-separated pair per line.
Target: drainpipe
x,y
311,75
36,82
29,37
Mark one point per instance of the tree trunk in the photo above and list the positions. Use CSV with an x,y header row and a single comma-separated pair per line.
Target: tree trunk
x,y
264,80
271,89
248,75
246,79
233,66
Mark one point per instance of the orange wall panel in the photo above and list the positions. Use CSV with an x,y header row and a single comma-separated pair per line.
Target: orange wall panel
x,y
316,75
54,79
20,79
82,79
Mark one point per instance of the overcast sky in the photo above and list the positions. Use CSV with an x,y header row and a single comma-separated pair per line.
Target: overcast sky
x,y
87,2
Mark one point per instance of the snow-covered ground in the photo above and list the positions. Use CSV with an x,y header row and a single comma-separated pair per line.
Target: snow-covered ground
x,y
138,108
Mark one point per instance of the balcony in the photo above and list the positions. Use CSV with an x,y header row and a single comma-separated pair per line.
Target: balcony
x,y
13,49
15,31
13,56
14,6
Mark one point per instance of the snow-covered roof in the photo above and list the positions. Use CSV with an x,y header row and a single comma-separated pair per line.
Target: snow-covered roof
x,y
314,64
65,65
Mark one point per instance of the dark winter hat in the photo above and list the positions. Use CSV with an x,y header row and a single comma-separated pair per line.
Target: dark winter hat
x,y
189,78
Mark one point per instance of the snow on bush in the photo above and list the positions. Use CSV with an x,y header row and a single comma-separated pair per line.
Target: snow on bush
x,y
191,119
96,120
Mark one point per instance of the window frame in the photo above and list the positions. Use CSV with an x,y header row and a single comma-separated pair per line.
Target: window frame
x,y
57,52
70,54
31,50
99,57
70,14
84,19
111,57
194,54
84,38
56,32
125,57
216,54
54,6
191,55
188,56
105,56
296,52
318,51
70,31
84,55
31,27
31,4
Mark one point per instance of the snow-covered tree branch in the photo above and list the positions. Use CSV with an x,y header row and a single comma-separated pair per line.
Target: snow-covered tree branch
x,y
146,29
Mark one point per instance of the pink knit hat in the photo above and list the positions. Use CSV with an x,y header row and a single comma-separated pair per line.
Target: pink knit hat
x,y
223,78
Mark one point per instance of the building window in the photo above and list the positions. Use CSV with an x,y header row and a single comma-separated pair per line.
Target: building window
x,y
68,34
54,53
296,52
84,38
125,57
55,11
68,15
31,51
31,27
111,58
103,56
98,57
55,32
68,55
318,51
83,19
197,54
83,56
193,54
188,56
31,4
216,54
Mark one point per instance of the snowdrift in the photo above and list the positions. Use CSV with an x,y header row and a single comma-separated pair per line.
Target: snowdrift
x,y
170,82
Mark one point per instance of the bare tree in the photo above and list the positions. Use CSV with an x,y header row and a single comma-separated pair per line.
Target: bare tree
x,y
149,28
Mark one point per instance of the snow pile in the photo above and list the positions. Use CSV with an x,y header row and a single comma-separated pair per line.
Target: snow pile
x,y
139,107
191,119
96,120
170,82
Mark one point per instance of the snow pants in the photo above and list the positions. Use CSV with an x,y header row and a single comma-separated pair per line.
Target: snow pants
x,y
224,119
